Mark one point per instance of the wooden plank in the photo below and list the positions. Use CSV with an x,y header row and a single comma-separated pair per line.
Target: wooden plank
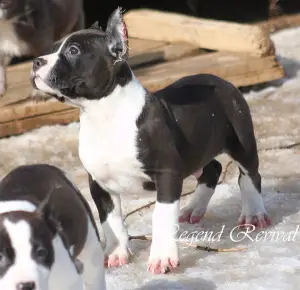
x,y
20,126
28,108
205,33
167,52
141,52
239,69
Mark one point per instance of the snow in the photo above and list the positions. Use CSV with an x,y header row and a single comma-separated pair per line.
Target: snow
x,y
267,264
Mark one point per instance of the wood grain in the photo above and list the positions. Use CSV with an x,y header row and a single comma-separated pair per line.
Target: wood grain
x,y
205,33
239,69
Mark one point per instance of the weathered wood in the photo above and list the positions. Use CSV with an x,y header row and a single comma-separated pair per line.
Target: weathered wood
x,y
27,108
239,69
210,34
167,52
26,124
141,52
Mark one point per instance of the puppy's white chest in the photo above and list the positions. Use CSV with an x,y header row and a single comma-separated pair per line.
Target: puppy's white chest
x,y
111,160
10,44
108,145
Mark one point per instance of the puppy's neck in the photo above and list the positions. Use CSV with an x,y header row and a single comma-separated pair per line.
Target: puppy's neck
x,y
131,96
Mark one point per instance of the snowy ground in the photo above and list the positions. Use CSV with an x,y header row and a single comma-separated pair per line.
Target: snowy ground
x,y
270,264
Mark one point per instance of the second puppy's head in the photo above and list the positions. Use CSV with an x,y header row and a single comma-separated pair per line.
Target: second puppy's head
x,y
26,252
87,64
30,250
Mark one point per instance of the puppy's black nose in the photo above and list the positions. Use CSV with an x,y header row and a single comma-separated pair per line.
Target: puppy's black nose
x,y
26,286
39,62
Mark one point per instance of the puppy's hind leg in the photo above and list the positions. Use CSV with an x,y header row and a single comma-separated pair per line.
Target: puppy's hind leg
x,y
92,257
207,182
253,209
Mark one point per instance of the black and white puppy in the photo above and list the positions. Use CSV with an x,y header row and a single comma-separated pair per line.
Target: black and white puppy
x,y
132,141
30,27
46,231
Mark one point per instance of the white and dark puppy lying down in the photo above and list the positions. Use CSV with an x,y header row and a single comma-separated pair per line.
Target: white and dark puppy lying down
x,y
132,141
47,232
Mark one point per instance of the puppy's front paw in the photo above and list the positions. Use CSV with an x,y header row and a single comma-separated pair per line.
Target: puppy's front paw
x,y
118,257
163,257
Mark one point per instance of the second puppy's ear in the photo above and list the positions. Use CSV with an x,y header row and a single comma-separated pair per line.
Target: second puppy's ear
x,y
46,211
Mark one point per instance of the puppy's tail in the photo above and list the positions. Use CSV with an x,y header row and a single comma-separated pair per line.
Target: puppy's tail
x,y
239,114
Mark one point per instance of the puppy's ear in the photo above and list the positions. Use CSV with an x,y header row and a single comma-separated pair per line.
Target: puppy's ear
x,y
41,209
45,210
117,35
96,26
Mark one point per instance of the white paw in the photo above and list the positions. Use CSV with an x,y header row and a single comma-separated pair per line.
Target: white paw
x,y
163,257
194,211
254,213
191,214
253,209
118,257
258,219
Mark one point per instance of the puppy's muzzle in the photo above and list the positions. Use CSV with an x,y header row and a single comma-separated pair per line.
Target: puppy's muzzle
x,y
38,63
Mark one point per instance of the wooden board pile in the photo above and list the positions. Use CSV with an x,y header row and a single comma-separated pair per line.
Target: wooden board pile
x,y
163,48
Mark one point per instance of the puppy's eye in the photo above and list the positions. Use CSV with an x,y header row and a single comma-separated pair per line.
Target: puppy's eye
x,y
74,50
41,252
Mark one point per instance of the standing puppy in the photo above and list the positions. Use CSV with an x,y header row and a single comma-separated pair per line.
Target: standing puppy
x,y
46,231
132,141
30,27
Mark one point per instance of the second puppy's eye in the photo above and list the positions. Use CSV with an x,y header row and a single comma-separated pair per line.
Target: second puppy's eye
x,y
74,50
41,252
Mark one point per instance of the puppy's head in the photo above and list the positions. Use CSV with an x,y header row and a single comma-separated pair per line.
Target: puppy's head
x,y
31,245
87,64
11,8
26,251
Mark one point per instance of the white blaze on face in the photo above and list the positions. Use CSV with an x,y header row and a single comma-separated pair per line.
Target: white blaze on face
x,y
24,268
15,205
43,73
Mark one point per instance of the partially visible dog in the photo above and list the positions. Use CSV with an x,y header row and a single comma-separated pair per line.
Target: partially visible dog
x,y
30,27
133,142
46,232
